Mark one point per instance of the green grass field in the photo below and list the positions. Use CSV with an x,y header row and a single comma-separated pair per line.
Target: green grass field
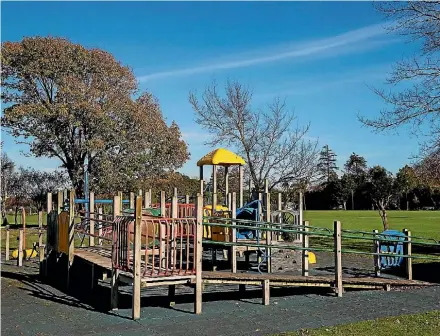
x,y
426,324
420,223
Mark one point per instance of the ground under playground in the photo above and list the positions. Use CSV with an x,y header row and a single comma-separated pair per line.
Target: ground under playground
x,y
261,243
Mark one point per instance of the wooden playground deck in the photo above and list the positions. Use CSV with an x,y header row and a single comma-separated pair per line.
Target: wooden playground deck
x,y
101,257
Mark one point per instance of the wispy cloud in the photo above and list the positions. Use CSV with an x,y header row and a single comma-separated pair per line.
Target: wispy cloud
x,y
331,44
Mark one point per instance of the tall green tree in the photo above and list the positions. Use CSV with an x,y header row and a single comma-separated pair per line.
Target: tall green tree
x,y
72,103
381,188
355,170
406,180
327,164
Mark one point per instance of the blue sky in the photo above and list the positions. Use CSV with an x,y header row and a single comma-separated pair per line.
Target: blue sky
x,y
319,56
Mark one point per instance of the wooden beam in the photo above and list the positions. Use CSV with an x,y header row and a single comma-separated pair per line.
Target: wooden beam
x,y
147,203
114,282
174,207
186,199
92,217
376,258
338,257
136,310
268,233
240,193
266,292
100,225
20,248
214,189
199,255
234,233
175,191
228,201
300,210
132,205
305,252
49,203
60,201
71,233
162,204
7,243
280,202
408,251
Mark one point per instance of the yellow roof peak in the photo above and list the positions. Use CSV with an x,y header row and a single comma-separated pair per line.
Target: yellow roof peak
x,y
221,157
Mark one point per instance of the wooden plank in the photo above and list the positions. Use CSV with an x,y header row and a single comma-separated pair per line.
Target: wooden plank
x,y
266,292
7,243
114,282
305,252
136,309
338,257
92,217
234,233
199,255
408,251
20,248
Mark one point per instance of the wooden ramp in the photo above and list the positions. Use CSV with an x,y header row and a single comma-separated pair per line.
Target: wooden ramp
x,y
309,281
101,257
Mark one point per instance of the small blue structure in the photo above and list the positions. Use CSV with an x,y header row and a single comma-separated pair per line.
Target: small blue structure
x,y
248,212
388,244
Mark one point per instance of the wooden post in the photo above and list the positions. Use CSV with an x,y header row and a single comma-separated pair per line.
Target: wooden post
x,y
121,198
162,204
214,189
266,292
49,203
71,233
7,243
140,192
338,257
198,256
280,202
174,207
305,254
408,251
40,236
268,233
234,233
240,194
100,226
162,229
150,194
20,248
92,217
115,271
23,221
300,210
175,191
132,200
60,201
186,199
377,258
202,187
147,203
136,310
227,200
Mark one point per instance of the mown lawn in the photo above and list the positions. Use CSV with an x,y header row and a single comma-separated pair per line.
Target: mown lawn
x,y
424,324
420,223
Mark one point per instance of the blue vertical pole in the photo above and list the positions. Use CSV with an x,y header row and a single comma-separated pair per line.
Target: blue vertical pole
x,y
86,184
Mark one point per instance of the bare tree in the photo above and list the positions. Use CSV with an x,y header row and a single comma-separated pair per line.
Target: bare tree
x,y
272,147
416,105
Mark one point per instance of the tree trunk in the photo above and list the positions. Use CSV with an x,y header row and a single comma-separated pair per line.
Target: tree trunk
x,y
384,217
345,205
407,202
16,214
352,200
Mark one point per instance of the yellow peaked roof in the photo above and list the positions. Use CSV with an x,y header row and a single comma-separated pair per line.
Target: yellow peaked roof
x,y
221,157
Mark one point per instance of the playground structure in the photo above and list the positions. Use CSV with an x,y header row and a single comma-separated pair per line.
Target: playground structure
x,y
162,244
